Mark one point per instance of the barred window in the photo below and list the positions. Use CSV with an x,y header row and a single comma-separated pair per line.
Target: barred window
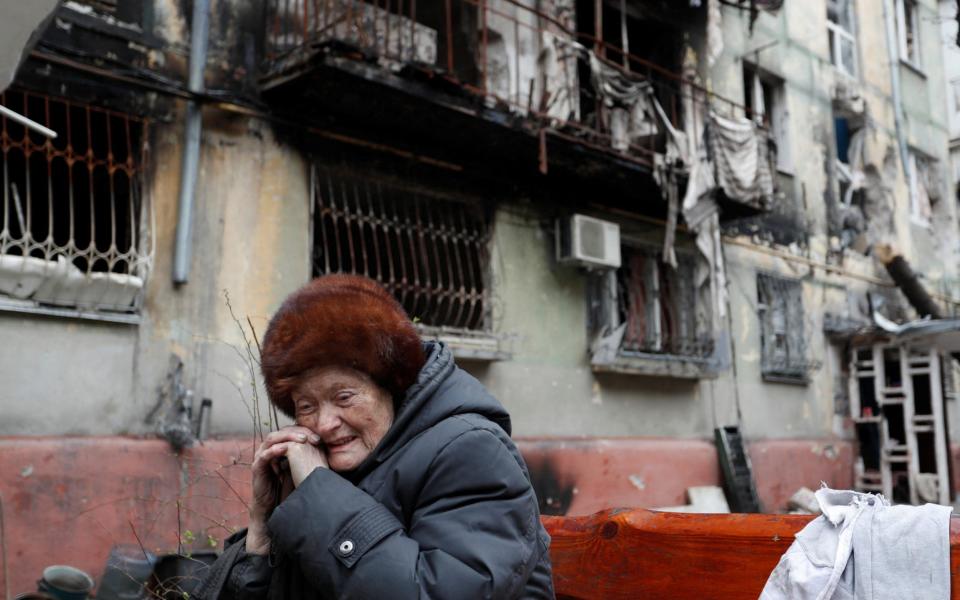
x,y
428,248
782,340
658,305
73,231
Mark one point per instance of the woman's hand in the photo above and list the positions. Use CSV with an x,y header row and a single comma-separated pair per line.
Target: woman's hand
x,y
267,474
303,459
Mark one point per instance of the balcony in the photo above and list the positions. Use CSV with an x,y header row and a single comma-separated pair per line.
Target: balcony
x,y
550,91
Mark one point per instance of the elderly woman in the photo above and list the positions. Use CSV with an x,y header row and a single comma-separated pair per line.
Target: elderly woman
x,y
405,481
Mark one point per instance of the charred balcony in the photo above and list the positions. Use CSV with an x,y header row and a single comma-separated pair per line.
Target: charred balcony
x,y
575,95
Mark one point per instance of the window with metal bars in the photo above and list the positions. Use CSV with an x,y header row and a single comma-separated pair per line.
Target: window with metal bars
x,y
782,341
658,306
426,247
73,231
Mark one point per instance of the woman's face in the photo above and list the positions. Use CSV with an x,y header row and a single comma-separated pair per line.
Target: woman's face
x,y
349,412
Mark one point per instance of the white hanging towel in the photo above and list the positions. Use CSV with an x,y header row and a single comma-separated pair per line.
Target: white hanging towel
x,y
862,548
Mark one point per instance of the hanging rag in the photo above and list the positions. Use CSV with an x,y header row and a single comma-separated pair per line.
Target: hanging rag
x,y
861,548
742,159
631,110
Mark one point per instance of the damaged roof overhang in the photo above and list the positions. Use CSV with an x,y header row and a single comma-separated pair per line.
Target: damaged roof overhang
x,y
942,335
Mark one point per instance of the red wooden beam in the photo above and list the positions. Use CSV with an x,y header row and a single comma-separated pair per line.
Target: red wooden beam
x,y
677,556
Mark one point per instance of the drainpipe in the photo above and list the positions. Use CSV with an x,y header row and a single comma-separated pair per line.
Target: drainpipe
x,y
199,36
893,52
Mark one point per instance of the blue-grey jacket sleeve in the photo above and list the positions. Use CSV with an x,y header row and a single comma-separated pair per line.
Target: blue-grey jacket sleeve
x,y
473,534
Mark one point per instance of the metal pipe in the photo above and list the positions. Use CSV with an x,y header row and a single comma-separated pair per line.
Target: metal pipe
x,y
893,53
29,123
199,37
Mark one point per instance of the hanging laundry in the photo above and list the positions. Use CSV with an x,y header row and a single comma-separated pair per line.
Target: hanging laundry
x,y
629,112
742,159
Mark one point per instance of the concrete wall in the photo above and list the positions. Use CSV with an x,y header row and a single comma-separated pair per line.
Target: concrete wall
x,y
251,239
70,376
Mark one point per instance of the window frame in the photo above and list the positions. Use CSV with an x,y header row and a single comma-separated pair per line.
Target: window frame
x,y
478,343
795,370
609,321
80,277
837,34
904,9
760,86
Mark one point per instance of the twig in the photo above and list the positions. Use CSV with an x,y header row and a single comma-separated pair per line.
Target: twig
x,y
179,531
3,551
258,425
233,490
139,541
275,418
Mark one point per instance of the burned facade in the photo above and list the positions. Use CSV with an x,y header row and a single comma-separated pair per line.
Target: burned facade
x,y
730,170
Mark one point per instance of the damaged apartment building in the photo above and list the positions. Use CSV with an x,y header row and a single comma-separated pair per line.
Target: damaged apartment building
x,y
635,221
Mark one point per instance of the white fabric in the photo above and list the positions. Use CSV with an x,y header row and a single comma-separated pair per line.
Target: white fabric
x,y
700,211
862,548
742,159
631,109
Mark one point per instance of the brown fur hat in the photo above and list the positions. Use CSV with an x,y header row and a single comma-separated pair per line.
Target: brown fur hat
x,y
343,320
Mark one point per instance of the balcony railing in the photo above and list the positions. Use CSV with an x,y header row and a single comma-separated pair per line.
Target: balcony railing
x,y
519,58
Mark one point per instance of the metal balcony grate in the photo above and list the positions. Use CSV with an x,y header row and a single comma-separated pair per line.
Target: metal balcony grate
x,y
73,230
428,249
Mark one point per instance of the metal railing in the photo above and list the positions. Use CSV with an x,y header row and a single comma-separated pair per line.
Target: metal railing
x,y
428,249
658,305
512,54
74,230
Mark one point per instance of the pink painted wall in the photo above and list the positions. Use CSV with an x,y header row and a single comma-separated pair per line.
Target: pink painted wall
x,y
68,500
654,472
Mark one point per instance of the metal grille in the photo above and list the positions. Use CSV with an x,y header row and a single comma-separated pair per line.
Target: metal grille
x,y
429,250
72,230
782,340
658,304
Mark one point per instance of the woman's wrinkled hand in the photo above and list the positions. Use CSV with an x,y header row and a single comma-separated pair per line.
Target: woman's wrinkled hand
x,y
299,446
303,459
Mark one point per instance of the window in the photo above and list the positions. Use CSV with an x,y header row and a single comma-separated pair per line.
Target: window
x,y
908,31
74,231
922,186
782,341
428,248
840,30
658,306
765,102
849,137
955,92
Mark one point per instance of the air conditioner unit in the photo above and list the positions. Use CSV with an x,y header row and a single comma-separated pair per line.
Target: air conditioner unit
x,y
588,242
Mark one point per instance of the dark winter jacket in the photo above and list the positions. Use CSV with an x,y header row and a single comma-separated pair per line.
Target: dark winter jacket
x,y
442,508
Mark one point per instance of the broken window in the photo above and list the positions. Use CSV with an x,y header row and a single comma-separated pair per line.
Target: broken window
x,y
74,231
840,30
924,186
428,248
908,31
658,305
782,341
765,103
